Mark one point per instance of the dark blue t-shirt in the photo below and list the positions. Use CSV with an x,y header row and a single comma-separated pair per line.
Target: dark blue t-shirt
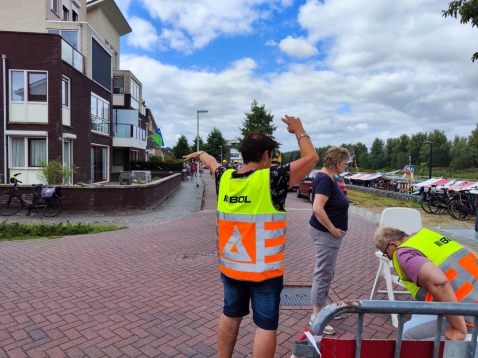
x,y
336,207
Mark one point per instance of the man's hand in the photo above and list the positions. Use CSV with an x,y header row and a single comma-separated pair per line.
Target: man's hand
x,y
454,334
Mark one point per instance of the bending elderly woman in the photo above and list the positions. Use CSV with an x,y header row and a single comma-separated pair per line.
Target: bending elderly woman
x,y
433,268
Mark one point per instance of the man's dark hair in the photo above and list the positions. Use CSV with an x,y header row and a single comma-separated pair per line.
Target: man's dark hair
x,y
254,144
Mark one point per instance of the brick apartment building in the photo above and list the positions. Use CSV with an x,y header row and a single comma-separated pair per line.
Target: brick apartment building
x,y
63,92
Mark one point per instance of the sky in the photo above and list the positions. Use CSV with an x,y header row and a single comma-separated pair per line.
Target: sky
x,y
352,71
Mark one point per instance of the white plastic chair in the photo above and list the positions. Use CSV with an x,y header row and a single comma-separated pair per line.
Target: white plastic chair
x,y
409,221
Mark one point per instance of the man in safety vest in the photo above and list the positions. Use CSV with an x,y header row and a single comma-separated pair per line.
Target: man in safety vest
x,y
251,225
433,268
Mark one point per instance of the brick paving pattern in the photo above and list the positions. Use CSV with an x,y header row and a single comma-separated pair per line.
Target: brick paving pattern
x,y
153,289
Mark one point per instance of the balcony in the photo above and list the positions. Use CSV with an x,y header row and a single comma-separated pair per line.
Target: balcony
x,y
129,136
71,56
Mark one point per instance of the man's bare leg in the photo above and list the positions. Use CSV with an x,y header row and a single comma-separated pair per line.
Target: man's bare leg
x,y
227,331
264,343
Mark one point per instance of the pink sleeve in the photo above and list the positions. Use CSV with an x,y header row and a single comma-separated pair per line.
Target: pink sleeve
x,y
411,261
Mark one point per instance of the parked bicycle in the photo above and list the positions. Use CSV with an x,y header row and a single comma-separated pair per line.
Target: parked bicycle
x,y
47,200
463,206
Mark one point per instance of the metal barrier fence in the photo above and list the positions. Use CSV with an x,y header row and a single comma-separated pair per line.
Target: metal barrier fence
x,y
361,307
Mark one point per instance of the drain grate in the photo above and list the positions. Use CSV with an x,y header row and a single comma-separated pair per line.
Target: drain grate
x,y
295,296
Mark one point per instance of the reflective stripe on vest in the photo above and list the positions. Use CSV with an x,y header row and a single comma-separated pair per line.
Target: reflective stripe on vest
x,y
459,265
251,232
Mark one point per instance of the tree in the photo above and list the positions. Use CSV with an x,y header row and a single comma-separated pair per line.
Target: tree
x,y
415,148
441,151
377,154
215,140
194,147
258,121
468,12
182,147
459,152
473,146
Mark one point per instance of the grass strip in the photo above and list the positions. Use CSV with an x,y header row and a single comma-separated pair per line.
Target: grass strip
x,y
17,231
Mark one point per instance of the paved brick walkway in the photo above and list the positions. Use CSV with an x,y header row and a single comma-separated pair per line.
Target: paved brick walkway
x,y
153,290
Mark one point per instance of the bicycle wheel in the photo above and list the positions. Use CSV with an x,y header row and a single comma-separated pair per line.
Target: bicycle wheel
x,y
424,204
47,207
10,204
460,210
435,205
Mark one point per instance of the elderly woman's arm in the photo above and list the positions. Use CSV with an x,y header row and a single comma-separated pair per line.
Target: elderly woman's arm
x,y
321,215
434,280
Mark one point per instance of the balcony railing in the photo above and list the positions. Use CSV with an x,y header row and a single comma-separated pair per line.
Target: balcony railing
x,y
129,131
71,56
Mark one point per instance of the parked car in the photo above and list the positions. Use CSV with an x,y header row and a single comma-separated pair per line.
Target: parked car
x,y
340,182
305,186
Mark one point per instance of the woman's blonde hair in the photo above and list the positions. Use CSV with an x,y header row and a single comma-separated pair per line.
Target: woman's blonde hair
x,y
386,234
335,155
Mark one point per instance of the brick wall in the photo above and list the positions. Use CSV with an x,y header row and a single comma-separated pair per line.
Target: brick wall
x,y
112,198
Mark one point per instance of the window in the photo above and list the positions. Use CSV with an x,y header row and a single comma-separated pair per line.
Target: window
x,y
69,36
36,152
65,91
134,155
99,164
35,147
134,95
54,6
66,14
74,15
117,156
100,115
118,84
101,65
34,82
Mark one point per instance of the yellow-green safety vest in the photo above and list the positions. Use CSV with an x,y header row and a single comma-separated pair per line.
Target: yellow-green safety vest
x,y
251,233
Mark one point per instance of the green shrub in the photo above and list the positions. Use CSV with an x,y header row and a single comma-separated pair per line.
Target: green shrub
x,y
17,231
54,172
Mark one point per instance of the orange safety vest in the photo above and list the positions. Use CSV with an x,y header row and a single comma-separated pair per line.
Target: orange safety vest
x,y
250,231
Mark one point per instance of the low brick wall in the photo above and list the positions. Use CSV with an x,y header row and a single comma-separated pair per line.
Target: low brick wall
x,y
112,198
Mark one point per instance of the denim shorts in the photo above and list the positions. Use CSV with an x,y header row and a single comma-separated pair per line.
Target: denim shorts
x,y
264,297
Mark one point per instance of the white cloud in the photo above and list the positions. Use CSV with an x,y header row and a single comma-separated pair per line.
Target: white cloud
x,y
144,34
271,43
399,66
297,47
202,21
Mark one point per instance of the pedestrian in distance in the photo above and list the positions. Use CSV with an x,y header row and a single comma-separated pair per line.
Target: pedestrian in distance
x,y
327,226
251,211
432,268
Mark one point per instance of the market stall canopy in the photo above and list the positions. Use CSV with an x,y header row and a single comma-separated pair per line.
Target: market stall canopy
x,y
464,185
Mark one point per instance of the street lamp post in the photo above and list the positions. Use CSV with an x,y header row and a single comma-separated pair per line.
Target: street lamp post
x,y
430,168
197,142
221,153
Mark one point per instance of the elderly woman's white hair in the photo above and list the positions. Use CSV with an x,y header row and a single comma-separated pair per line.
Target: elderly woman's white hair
x,y
386,234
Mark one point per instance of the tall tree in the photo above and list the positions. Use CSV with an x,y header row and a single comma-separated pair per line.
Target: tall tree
x,y
259,120
473,146
415,148
194,146
182,147
459,153
215,141
377,154
441,149
468,12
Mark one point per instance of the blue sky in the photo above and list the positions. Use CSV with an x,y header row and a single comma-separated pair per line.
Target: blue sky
x,y
351,70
